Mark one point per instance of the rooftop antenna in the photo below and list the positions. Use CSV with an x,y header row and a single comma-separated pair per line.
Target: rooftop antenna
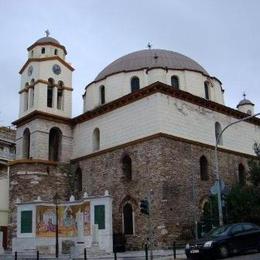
x,y
149,45
47,32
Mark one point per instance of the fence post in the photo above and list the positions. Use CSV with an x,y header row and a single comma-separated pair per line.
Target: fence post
x,y
38,255
15,255
85,254
174,250
146,251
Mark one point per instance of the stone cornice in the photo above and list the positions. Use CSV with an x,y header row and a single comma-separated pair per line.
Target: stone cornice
x,y
43,82
159,87
47,43
159,135
32,161
44,59
42,115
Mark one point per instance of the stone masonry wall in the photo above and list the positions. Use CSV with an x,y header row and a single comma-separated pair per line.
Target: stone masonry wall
x,y
168,167
28,181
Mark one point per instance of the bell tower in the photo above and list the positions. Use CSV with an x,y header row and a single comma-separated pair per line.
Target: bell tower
x,y
46,79
44,123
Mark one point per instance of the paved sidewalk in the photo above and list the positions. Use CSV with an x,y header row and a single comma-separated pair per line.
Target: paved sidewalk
x,y
129,255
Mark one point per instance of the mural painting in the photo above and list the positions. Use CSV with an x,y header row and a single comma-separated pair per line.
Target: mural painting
x,y
70,219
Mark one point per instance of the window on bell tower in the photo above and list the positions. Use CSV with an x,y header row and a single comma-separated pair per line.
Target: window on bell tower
x,y
43,50
25,94
60,96
50,92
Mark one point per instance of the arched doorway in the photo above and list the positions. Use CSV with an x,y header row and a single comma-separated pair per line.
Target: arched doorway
x,y
55,138
128,225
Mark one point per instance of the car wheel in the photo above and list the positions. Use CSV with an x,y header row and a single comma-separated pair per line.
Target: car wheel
x,y
223,251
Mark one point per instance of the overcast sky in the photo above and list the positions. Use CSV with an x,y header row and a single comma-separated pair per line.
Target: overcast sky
x,y
223,36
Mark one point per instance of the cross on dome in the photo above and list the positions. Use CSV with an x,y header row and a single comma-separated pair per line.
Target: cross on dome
x,y
149,45
244,95
47,32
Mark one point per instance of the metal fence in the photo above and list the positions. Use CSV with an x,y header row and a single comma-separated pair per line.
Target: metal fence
x,y
175,251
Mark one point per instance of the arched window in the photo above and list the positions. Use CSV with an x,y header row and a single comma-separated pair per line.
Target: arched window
x,y
26,143
241,174
249,112
175,82
79,180
204,175
31,98
55,52
135,84
50,92
206,89
218,130
128,219
55,139
25,100
43,50
127,167
102,95
60,95
96,139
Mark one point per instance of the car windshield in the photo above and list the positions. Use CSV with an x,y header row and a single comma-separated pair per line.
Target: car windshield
x,y
217,231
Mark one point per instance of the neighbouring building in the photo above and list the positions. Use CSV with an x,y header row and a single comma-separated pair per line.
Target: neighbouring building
x,y
150,123
7,154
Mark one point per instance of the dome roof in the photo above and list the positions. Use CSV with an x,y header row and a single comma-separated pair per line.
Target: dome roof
x,y
151,58
245,102
47,40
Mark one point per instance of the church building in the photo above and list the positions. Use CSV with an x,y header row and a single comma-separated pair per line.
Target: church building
x,y
148,128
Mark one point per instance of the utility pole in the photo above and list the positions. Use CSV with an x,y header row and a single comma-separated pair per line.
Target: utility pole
x,y
145,208
220,213
150,225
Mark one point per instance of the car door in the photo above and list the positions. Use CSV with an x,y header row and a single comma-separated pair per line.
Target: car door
x,y
251,234
237,238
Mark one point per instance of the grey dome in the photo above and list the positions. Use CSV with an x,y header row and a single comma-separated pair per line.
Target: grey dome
x,y
151,58
245,102
47,40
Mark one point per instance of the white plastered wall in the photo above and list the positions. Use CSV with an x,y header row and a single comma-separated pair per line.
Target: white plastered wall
x,y
39,144
30,241
125,124
43,71
189,121
119,85
162,113
49,51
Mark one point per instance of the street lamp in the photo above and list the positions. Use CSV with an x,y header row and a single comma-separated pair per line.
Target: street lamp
x,y
55,201
220,213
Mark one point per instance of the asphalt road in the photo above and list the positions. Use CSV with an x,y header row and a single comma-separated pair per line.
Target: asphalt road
x,y
246,257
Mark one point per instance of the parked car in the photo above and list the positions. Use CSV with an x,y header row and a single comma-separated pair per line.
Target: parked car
x,y
224,241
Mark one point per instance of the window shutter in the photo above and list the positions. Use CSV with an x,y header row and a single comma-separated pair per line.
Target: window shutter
x,y
100,216
26,221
